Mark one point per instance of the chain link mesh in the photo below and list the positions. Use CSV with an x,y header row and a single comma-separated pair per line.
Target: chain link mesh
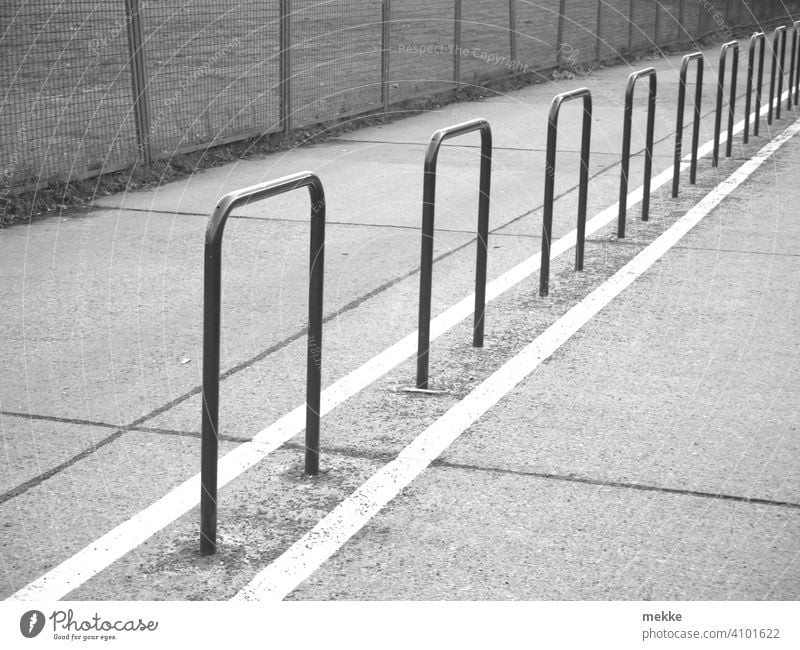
x,y
537,33
335,59
485,40
669,27
422,46
211,73
67,98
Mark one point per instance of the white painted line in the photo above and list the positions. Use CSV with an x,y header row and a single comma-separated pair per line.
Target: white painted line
x,y
281,577
101,553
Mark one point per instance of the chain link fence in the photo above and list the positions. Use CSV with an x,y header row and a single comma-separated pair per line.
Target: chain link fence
x,y
91,87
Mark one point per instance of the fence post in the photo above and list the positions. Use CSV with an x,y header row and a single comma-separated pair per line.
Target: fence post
x,y
386,13
512,29
562,7
457,43
139,79
598,30
656,21
699,23
285,67
630,25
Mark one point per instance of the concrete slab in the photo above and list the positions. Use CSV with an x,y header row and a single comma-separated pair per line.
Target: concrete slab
x,y
689,380
101,328
259,515
554,540
33,447
51,522
681,386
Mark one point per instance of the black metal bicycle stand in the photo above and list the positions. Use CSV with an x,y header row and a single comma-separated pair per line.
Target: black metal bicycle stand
x,y
212,297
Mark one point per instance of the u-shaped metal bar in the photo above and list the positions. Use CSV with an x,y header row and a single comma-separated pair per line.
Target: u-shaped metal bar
x,y
794,65
698,98
734,45
777,69
212,297
428,214
758,39
626,147
549,181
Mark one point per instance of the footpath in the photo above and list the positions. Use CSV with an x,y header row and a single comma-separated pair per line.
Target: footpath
x,y
653,455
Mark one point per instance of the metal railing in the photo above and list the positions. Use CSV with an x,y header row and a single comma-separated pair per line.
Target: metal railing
x,y
549,182
734,45
650,73
428,218
759,39
212,296
698,98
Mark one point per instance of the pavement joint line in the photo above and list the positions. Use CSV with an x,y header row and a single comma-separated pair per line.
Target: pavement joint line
x,y
186,434
282,576
62,420
708,113
38,480
120,430
616,484
350,452
494,148
93,558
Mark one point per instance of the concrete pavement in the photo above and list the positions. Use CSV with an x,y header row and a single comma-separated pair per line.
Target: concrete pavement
x,y
104,324
655,457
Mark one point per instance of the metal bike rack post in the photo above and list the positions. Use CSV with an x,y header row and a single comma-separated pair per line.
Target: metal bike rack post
x,y
626,147
549,182
731,99
428,214
698,98
761,39
793,65
212,297
777,66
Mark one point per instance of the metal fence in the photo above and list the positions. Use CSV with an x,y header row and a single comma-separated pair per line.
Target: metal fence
x,y
91,87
